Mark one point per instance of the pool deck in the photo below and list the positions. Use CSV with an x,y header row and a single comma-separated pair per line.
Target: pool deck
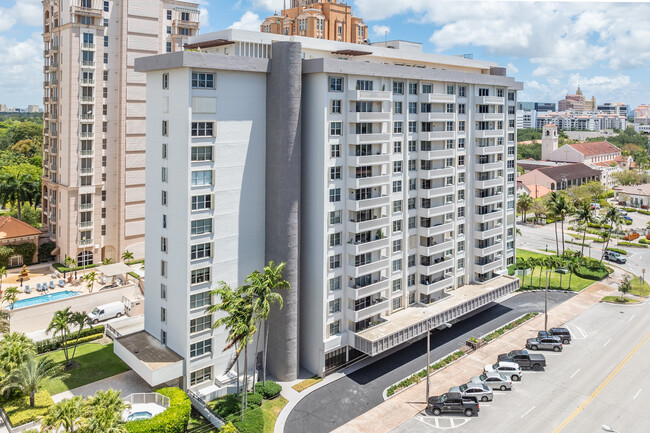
x,y
152,408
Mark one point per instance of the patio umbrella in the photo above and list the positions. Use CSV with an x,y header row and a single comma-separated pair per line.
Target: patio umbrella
x,y
64,275
75,275
21,281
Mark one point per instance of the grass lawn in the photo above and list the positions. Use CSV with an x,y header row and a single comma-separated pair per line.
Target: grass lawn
x,y
300,387
638,289
577,283
96,362
271,409
618,300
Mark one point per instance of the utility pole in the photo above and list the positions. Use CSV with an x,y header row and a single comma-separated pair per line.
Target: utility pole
x,y
546,303
428,356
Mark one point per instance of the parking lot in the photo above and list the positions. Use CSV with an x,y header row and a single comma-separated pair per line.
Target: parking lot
x,y
600,378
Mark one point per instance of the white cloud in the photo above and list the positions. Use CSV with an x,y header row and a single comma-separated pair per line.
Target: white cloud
x,y
21,63
248,21
27,12
380,31
613,88
270,5
512,69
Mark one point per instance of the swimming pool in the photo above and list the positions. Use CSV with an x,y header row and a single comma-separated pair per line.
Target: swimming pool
x,y
44,298
135,416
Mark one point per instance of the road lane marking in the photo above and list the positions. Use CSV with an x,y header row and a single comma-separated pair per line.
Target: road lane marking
x,y
602,386
630,319
576,372
637,394
527,412
607,342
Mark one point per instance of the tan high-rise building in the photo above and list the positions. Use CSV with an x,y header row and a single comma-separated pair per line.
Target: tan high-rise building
x,y
320,19
94,119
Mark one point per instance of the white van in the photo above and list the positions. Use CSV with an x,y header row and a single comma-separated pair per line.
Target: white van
x,y
106,311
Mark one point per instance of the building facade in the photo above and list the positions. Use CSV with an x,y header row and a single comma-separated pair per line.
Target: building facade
x,y
585,121
617,108
94,119
389,190
642,114
577,103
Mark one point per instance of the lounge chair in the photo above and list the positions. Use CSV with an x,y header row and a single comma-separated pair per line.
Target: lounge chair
x,y
52,285
38,287
61,283
27,290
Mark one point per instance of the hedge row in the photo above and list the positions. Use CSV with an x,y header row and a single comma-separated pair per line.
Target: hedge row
x,y
173,420
268,391
19,411
499,332
62,268
415,378
632,244
253,421
55,343
617,250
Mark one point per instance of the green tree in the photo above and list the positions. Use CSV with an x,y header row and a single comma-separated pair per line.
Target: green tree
x,y
533,262
66,415
3,273
626,286
4,322
80,320
107,261
30,376
60,325
10,296
110,399
26,147
524,203
613,218
14,349
20,184
69,262
127,256
584,215
265,286
559,207
90,278
32,215
538,209
630,177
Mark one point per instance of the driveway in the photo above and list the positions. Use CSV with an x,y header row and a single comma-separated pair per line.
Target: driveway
x,y
128,382
335,404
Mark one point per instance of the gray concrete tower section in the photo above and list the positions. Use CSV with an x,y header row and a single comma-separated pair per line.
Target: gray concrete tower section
x,y
283,178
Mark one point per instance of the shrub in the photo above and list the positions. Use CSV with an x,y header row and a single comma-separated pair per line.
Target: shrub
x,y
26,250
253,421
629,209
134,275
268,391
61,268
643,241
591,273
644,212
173,420
500,331
96,332
230,404
228,428
44,251
627,222
19,411
618,250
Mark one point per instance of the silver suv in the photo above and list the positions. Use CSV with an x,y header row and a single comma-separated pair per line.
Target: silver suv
x,y
509,369
473,389
544,343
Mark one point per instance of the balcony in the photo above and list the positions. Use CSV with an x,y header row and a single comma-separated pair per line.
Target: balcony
x,y
54,98
88,63
361,160
437,98
85,206
185,24
87,46
435,154
369,203
94,11
436,210
368,95
379,265
490,233
85,170
87,134
436,249
87,118
488,117
492,265
441,266
489,133
358,292
86,152
53,132
437,229
488,150
368,138
85,224
436,173
436,286
84,242
437,117
490,166
360,248
371,116
490,100
379,307
87,81
490,216
484,201
481,184
373,224
497,247
87,98
436,192
362,182
437,135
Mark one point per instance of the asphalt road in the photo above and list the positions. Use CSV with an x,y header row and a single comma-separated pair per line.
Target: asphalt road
x,y
600,378
335,404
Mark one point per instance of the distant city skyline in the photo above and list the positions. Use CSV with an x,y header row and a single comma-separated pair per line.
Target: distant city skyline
x,y
551,46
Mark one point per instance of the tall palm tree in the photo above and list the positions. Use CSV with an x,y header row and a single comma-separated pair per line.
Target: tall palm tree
x,y
604,237
30,376
14,349
533,262
19,187
524,202
614,219
560,208
90,278
3,273
550,263
66,415
110,399
264,286
102,420
81,320
60,324
10,296
584,215
127,255
69,262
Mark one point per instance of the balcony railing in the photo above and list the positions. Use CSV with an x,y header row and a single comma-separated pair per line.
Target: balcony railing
x,y
86,134
85,223
86,151
87,81
85,170
87,63
88,46
87,116
87,98
83,242
83,206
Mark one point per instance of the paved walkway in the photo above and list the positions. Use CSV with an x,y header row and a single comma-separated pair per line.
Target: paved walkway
x,y
128,382
407,404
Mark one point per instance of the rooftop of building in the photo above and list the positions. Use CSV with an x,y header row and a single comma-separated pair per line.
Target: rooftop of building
x,y
569,172
643,189
149,350
11,227
595,148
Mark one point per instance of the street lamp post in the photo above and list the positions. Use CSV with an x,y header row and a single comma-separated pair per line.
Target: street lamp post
x,y
428,356
83,241
642,276
546,302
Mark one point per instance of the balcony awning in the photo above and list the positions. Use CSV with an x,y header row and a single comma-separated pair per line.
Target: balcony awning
x,y
209,44
352,53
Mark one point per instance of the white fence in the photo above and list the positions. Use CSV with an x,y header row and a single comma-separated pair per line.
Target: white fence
x,y
149,397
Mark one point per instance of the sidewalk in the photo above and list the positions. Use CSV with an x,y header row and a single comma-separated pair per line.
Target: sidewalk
x,y
128,383
407,404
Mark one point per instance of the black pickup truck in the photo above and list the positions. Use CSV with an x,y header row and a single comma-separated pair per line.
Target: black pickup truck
x,y
524,359
453,402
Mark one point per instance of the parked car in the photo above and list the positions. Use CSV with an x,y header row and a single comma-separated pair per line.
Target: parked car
x,y
563,333
473,389
615,257
106,311
494,380
595,205
524,359
509,369
453,402
628,218
545,343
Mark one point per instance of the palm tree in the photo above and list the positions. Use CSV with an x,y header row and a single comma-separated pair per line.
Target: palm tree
x,y
90,279
14,349
584,215
4,322
572,266
3,273
80,319
127,255
533,262
103,420
18,187
549,263
538,208
60,324
524,202
264,286
66,415
69,262
29,376
110,399
107,261
604,237
560,208
614,218
10,296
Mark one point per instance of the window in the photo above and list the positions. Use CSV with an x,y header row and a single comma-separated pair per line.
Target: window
x,y
168,47
461,160
335,239
427,88
413,89
164,151
336,106
397,206
204,374
397,147
397,226
397,303
334,306
200,324
198,276
163,291
413,126
335,173
202,129
500,93
397,166
483,92
200,227
461,91
364,85
163,314
163,268
165,81
449,126
335,327
460,263
413,145
461,125
202,80
105,22
397,265
200,348
413,184
397,285
335,151
163,244
335,195
163,337
200,251
413,107
461,212
336,84
450,89
202,177
461,195
398,87
200,202
105,58
163,174
411,222
169,15
198,300
169,30
165,130
397,245
201,153
335,261
397,127
461,108
397,107
163,198
164,220
105,6
335,217
335,128
335,284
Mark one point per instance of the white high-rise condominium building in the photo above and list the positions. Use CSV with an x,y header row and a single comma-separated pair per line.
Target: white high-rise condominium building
x,y
94,119
384,177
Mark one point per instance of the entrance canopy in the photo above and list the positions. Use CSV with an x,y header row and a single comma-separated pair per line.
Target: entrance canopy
x,y
114,269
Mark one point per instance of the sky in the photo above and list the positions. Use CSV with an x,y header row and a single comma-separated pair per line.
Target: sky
x,y
552,47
